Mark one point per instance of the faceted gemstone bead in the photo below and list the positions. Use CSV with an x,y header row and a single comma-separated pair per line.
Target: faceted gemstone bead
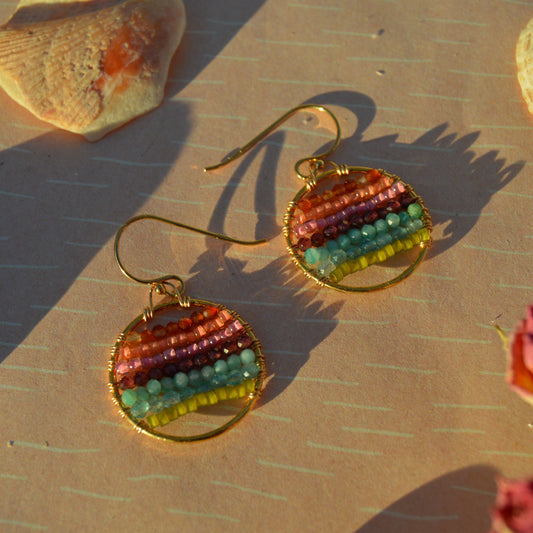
x,y
185,324
200,360
155,373
172,328
383,239
368,232
368,246
142,394
399,233
414,210
213,356
153,387
221,367
406,200
159,332
181,380
126,382
133,337
207,373
353,252
171,398
338,257
325,268
330,232
140,379
247,356
170,369
244,342
167,383
233,362
156,404
404,217
219,380
140,409
343,226
185,365
186,393
195,378
357,221
235,377
250,371
381,226
197,317
129,397
317,239
370,217
355,235
393,220
147,337
229,348
344,242
332,246
304,244
312,256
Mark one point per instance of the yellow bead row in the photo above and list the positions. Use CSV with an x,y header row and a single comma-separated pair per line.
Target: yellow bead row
x,y
201,399
378,256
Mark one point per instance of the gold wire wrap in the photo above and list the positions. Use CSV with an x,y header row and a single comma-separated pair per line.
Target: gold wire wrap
x,y
143,427
315,162
344,170
173,287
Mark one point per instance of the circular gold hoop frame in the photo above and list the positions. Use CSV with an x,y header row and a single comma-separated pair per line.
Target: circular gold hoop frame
x,y
324,281
140,425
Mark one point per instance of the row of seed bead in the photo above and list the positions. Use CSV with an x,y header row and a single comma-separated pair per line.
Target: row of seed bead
x,y
135,371
315,205
341,207
369,238
378,256
351,215
159,394
357,221
161,338
201,399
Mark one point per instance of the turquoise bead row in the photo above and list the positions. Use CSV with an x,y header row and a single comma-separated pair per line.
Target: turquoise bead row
x,y
357,242
166,392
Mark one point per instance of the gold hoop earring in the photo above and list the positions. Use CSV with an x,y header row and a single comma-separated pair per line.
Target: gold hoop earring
x,y
183,356
347,218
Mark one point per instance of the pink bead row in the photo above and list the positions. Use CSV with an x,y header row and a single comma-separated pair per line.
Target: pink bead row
x,y
312,225
171,355
174,341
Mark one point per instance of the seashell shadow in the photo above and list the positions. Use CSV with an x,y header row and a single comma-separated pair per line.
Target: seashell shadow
x,y
456,502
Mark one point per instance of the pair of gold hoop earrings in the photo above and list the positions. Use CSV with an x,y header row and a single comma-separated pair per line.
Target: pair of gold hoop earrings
x,y
187,354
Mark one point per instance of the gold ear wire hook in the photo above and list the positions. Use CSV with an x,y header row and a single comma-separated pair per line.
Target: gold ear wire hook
x,y
315,160
161,284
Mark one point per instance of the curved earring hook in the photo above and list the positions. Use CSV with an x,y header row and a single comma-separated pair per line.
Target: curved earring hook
x,y
160,284
316,160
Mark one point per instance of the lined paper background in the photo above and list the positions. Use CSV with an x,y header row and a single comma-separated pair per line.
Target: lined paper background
x,y
382,412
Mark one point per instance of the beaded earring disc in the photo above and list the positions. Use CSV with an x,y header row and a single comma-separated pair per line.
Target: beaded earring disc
x,y
354,217
185,360
187,364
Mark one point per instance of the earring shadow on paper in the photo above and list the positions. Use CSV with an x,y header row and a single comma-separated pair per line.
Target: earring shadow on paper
x,y
441,166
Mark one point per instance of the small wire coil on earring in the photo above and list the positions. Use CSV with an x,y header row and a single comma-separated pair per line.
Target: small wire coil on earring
x,y
347,218
183,356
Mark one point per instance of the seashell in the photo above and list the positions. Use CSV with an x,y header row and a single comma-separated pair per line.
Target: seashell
x,y
89,66
524,63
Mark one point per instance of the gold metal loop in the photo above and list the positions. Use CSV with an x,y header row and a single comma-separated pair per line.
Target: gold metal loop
x,y
316,161
162,285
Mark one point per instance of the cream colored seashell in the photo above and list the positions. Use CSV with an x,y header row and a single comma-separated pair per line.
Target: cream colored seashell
x,y
89,66
524,62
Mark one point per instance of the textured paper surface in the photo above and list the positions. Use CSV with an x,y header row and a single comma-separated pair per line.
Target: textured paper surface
x,y
382,412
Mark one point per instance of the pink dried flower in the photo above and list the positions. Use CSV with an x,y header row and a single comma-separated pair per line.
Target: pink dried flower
x,y
513,508
520,358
